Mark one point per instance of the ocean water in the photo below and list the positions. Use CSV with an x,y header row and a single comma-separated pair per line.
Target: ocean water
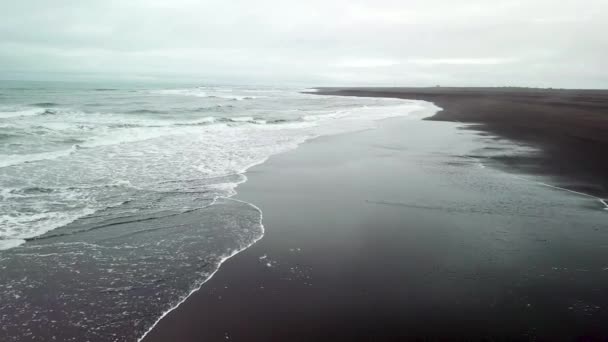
x,y
116,200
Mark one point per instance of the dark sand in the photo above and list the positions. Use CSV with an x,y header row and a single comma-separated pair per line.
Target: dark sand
x,y
394,234
570,126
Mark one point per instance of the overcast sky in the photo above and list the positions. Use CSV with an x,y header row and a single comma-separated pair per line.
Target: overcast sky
x,y
559,43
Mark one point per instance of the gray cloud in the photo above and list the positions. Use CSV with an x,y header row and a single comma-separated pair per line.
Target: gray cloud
x,y
415,42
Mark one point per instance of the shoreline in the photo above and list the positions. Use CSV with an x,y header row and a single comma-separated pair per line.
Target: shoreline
x,y
290,264
243,173
219,266
567,126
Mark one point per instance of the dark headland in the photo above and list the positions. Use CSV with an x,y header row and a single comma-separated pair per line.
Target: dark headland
x,y
396,234
569,126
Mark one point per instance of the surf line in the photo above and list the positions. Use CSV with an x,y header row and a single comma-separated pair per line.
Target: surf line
x,y
223,259
601,200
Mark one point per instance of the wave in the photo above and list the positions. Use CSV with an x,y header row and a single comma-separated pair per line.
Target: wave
x,y
16,159
117,129
49,112
213,108
244,119
45,104
199,122
123,133
8,135
67,204
5,114
10,243
114,222
41,109
40,191
37,224
236,98
146,111
196,92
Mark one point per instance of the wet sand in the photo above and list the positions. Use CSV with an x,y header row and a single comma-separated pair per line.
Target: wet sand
x,y
396,234
569,126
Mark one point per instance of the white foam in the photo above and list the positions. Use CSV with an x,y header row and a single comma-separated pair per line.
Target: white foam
x,y
240,98
328,116
25,226
177,150
221,262
128,135
184,92
5,114
10,243
15,159
104,137
242,119
198,92
205,120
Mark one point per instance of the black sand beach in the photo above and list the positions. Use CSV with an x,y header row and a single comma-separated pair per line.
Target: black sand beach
x,y
397,234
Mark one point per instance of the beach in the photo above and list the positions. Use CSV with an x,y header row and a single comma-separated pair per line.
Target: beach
x,y
163,213
403,232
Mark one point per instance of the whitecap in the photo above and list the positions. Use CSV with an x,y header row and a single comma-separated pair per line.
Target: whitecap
x,y
15,159
5,114
10,243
